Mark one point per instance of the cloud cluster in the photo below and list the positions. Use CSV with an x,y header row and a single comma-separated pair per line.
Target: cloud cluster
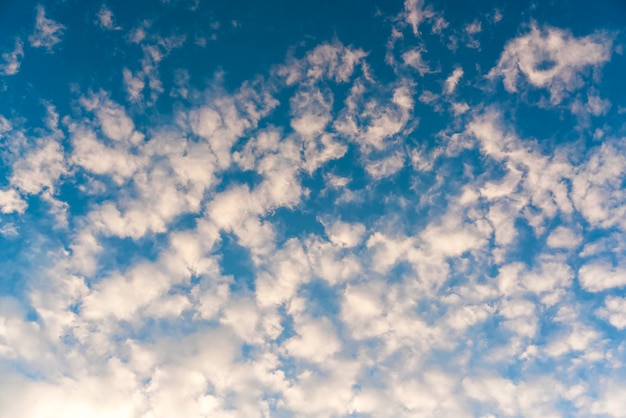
x,y
296,247
552,59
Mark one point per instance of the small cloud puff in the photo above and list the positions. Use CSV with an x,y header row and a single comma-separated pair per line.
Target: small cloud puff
x,y
345,234
563,237
10,201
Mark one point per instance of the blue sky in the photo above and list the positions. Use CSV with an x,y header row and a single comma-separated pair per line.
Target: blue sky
x,y
312,209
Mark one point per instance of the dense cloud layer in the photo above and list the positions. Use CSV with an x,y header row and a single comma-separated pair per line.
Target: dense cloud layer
x,y
302,245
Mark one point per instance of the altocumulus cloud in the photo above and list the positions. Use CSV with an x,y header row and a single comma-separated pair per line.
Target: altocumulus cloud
x,y
413,211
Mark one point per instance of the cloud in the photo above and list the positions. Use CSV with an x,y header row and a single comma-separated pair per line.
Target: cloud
x,y
453,80
614,311
40,168
47,32
598,277
155,48
386,167
344,234
11,201
413,58
134,84
316,242
311,111
552,59
315,342
13,59
415,13
373,122
105,19
563,237
326,61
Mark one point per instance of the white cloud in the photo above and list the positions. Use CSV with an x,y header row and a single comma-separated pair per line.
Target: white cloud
x,y
387,166
134,84
595,190
473,28
155,48
413,58
460,108
562,237
311,111
5,125
12,60
614,311
551,58
40,168
316,340
373,123
326,61
375,317
597,276
115,124
453,80
414,14
345,234
536,398
105,19
611,401
98,158
319,151
521,316
469,315
363,308
11,201
47,32
548,281
288,269
451,237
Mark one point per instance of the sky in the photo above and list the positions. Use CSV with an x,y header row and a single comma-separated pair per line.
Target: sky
x,y
312,209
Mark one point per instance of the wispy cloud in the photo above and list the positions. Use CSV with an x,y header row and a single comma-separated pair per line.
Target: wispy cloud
x,y
12,60
551,58
47,33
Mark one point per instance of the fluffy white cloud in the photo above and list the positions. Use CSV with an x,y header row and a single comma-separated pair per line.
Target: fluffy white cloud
x,y
13,59
11,201
311,111
551,58
326,61
614,311
414,296
562,237
414,14
105,19
316,340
